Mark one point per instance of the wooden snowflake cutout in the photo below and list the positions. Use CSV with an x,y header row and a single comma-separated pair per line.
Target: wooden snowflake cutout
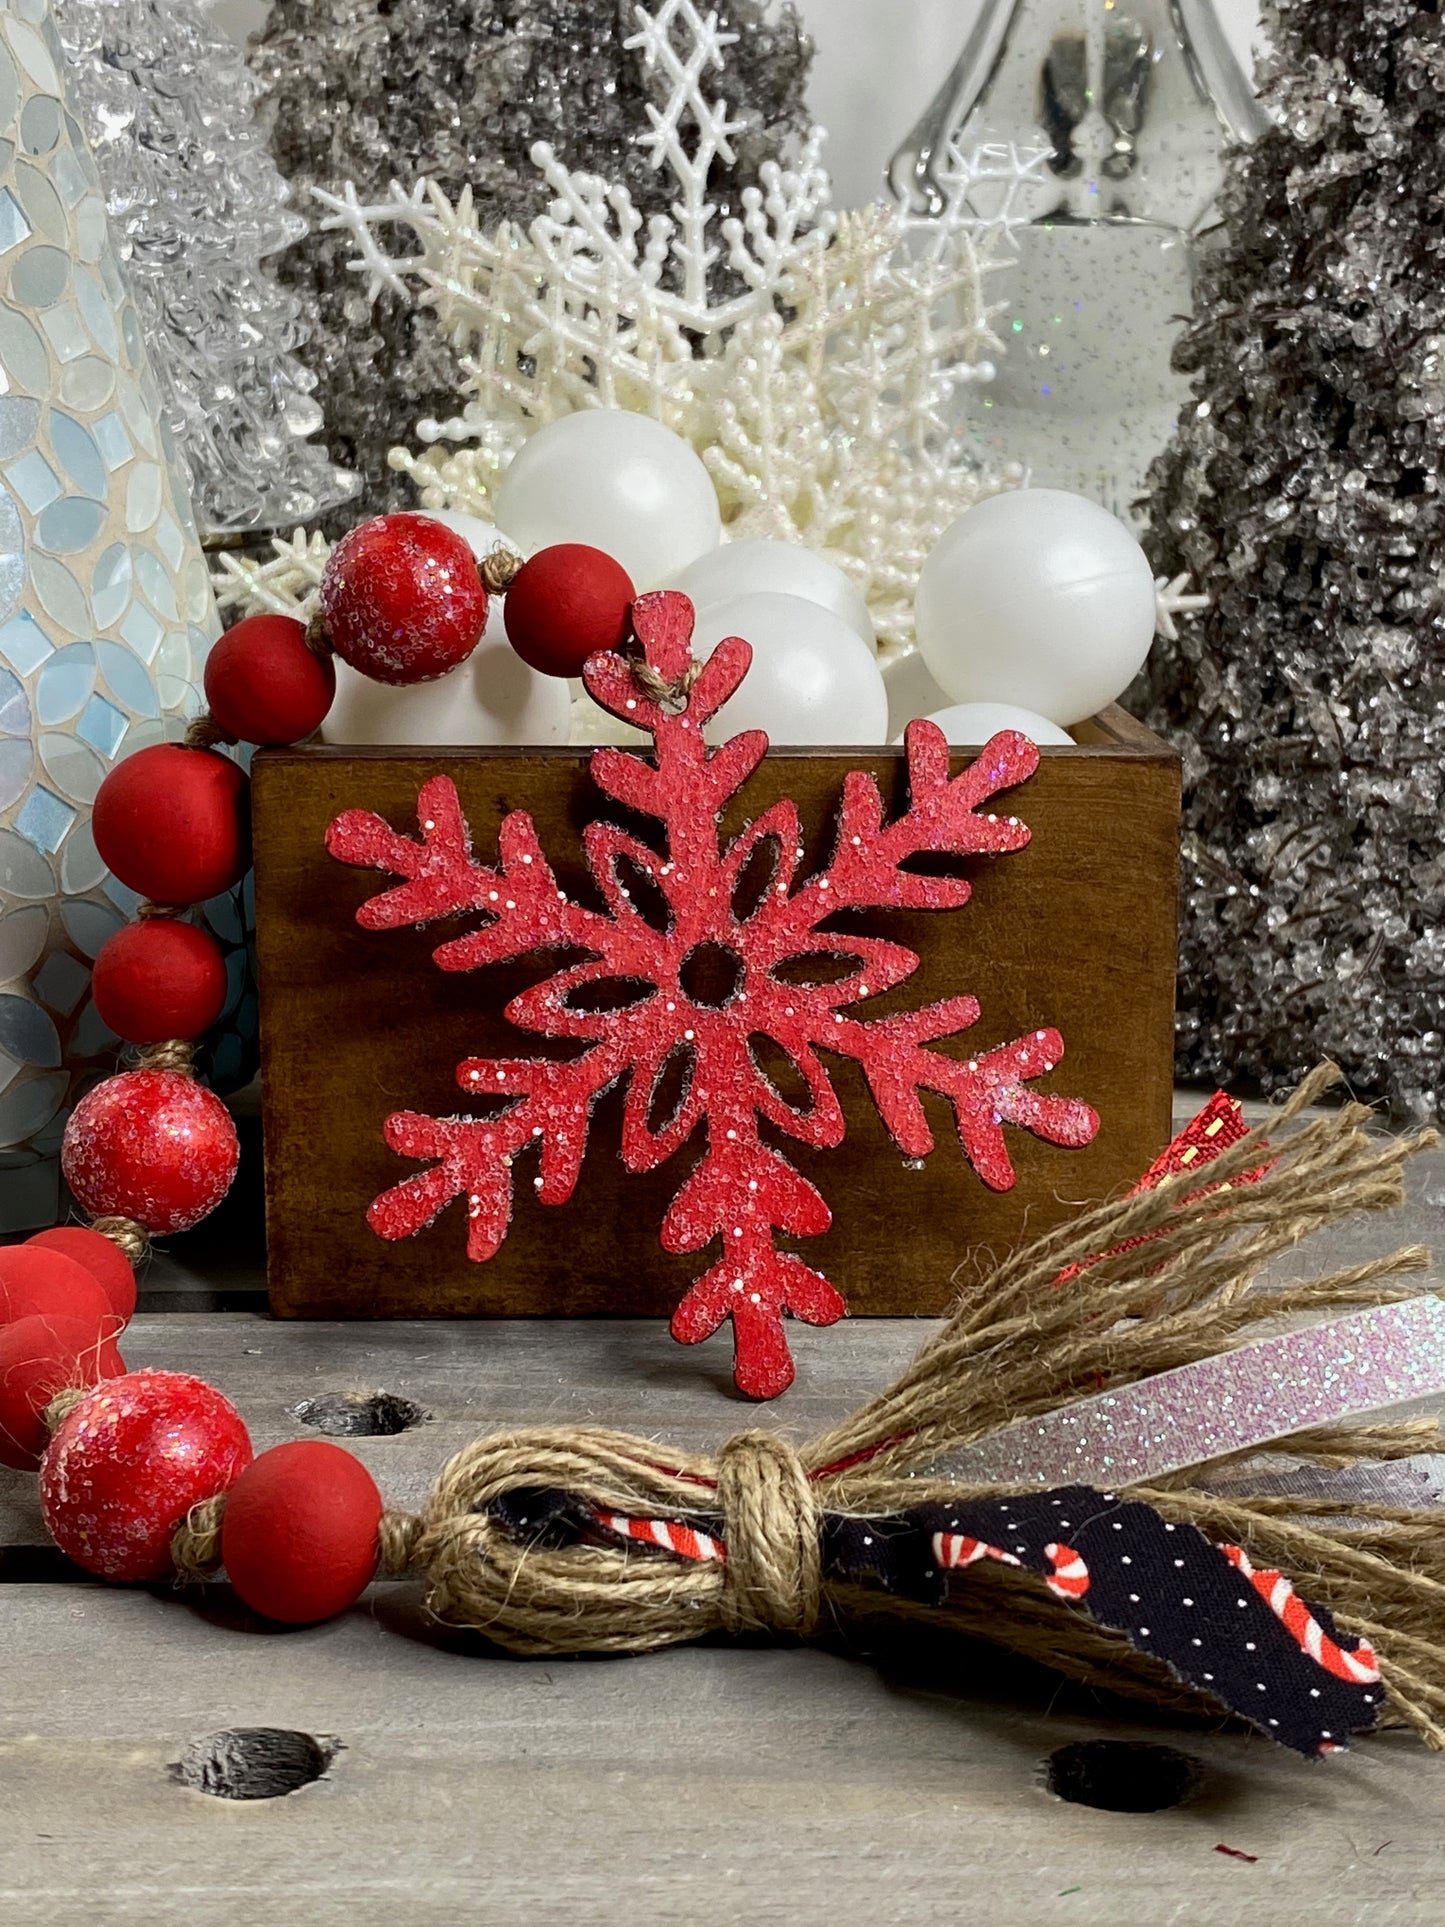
x,y
694,1054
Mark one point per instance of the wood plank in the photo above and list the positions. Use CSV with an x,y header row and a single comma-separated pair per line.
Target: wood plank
x,y
1077,931
786,1787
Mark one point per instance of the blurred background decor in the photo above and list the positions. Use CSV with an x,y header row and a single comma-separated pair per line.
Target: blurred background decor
x,y
105,609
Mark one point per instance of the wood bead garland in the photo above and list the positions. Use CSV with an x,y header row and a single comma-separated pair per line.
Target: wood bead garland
x,y
100,1256
36,1280
128,1462
265,684
40,1356
299,1532
174,823
565,604
159,979
402,599
151,1145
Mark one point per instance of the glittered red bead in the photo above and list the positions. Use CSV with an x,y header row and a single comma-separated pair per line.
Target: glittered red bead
x,y
157,980
263,685
39,1357
174,824
402,599
298,1539
128,1463
151,1145
36,1280
105,1262
564,605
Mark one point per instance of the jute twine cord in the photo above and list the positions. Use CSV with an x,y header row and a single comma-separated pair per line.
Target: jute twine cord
x,y
1023,1342
176,1054
204,732
128,1233
499,570
669,692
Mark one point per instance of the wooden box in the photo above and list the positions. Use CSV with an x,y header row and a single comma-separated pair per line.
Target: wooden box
x,y
1076,931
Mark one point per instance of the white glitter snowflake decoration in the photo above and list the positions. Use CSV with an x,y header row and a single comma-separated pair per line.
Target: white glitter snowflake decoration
x,y
811,358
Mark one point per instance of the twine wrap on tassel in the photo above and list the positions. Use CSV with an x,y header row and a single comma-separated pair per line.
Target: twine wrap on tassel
x,y
1165,1276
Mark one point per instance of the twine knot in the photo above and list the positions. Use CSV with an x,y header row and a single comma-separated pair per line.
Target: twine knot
x,y
196,1543
129,1235
773,1578
399,1536
669,693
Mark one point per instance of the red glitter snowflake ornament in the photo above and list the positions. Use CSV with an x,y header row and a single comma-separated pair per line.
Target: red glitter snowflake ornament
x,y
742,1191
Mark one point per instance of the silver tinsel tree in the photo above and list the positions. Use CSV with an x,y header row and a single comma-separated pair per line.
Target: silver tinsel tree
x,y
197,207
1304,491
458,91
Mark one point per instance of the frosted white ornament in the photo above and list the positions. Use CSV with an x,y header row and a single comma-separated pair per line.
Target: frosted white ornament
x,y
753,566
620,482
492,697
813,679
1039,598
970,725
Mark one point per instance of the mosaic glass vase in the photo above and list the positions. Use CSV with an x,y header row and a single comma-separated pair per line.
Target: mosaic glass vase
x,y
105,609
1134,101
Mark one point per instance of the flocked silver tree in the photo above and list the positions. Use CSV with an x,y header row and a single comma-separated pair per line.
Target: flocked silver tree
x,y
197,209
1306,492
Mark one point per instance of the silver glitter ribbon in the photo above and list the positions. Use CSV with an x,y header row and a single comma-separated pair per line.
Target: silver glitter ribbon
x,y
1230,1403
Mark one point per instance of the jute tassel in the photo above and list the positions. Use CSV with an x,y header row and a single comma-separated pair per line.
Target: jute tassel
x,y
1021,1343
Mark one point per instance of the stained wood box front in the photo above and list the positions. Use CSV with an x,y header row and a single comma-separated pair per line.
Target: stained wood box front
x,y
1076,931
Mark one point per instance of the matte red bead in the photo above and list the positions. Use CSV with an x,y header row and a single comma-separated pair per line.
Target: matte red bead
x,y
263,685
40,1356
103,1259
160,979
564,605
299,1536
128,1463
174,824
151,1145
36,1280
402,599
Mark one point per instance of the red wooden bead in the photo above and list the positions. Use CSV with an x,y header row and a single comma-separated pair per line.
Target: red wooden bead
x,y
151,1145
566,604
263,685
402,599
39,1357
128,1463
298,1539
158,980
104,1260
36,1280
175,823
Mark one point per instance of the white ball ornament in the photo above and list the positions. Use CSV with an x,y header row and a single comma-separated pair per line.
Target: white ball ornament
x,y
785,568
491,698
969,725
813,679
1036,597
617,481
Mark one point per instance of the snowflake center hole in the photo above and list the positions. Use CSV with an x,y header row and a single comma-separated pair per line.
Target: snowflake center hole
x,y
711,975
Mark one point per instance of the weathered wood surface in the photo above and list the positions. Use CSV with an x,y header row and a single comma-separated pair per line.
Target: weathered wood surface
x,y
1076,932
776,1787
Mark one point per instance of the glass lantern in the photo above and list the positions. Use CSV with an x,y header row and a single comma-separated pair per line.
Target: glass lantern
x,y
1134,101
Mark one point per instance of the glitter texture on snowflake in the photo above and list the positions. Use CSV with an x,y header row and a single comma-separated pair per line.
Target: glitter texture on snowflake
x,y
812,359
698,1051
